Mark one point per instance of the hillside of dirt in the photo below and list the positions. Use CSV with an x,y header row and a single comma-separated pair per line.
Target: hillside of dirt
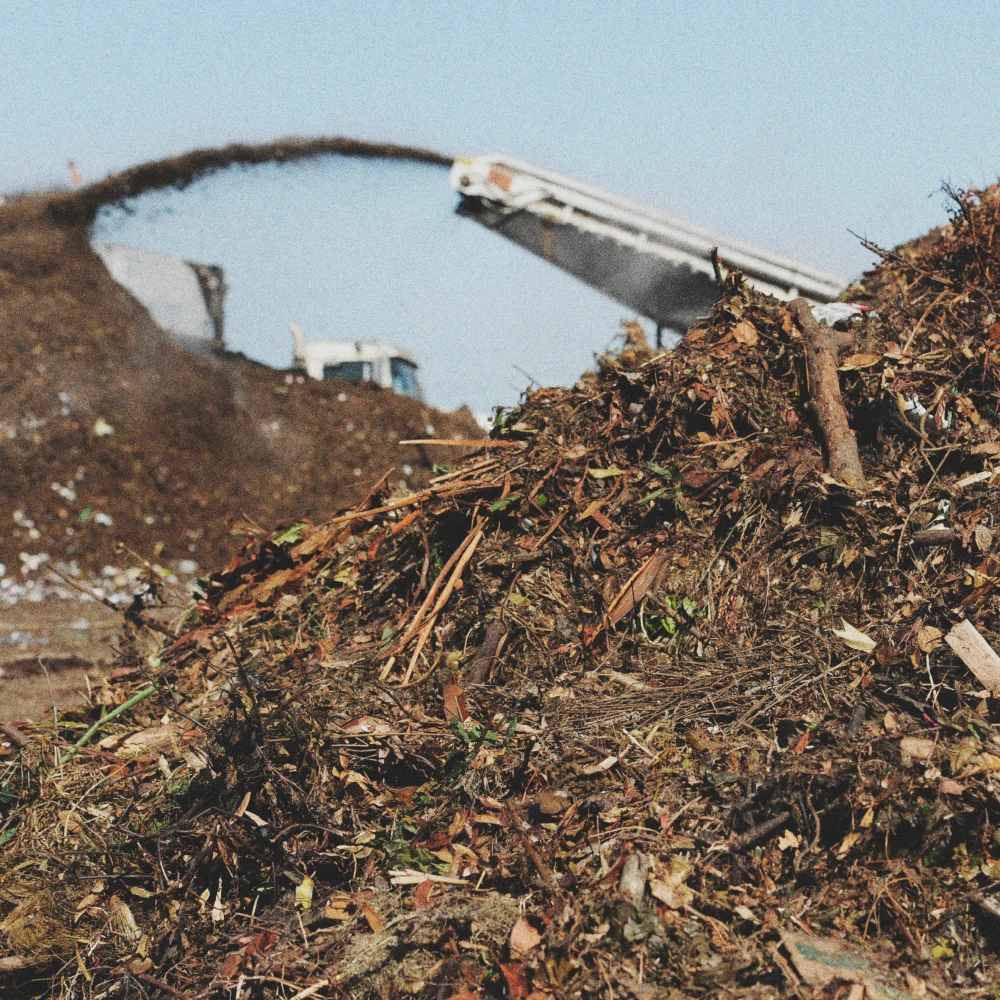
x,y
638,702
110,432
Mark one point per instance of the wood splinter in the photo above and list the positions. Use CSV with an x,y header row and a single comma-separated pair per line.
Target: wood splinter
x,y
823,345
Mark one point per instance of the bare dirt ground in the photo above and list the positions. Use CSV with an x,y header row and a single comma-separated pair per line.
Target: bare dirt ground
x,y
74,641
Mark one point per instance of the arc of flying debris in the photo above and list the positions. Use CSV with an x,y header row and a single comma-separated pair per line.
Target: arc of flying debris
x,y
179,172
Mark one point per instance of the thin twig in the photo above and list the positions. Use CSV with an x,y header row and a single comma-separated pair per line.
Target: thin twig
x,y
52,695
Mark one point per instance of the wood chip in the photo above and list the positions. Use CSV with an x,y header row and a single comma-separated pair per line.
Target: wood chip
x,y
977,654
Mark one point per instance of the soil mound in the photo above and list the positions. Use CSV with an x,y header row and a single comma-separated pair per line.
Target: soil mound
x,y
637,702
111,432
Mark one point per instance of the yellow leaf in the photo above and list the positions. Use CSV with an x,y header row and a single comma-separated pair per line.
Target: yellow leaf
x,y
304,893
846,844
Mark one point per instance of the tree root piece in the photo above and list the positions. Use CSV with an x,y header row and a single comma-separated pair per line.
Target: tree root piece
x,y
823,345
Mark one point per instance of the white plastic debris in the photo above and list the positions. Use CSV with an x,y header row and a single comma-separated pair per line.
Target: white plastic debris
x,y
834,312
102,428
67,492
31,562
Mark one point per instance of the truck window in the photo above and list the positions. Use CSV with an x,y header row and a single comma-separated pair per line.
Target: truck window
x,y
404,378
349,371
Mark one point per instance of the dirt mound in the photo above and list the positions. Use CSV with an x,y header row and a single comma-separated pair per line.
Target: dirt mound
x,y
638,702
109,431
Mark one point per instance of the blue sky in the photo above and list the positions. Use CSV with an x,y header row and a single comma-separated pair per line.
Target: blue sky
x,y
785,124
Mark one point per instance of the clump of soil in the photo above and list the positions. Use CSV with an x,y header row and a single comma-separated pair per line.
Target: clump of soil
x,y
111,432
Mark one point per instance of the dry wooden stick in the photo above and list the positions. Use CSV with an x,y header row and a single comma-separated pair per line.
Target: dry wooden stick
x,y
449,588
823,345
431,595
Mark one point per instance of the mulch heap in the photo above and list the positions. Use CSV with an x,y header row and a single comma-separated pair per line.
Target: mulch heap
x,y
638,701
110,432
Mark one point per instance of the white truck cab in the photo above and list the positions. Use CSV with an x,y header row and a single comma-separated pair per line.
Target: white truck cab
x,y
357,361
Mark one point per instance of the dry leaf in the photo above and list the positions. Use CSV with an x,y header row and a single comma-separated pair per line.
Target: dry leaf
x,y
854,638
454,702
551,803
670,889
524,939
637,586
846,844
856,361
516,979
745,333
788,841
736,458
929,638
368,725
605,765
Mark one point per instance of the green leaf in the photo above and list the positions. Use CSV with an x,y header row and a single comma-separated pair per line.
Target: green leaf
x,y
505,503
290,534
656,494
660,470
8,835
541,499
86,512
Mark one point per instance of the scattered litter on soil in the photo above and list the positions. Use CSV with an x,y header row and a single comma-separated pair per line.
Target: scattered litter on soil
x,y
111,432
638,701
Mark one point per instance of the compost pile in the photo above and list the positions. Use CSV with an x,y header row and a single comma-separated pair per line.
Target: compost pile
x,y
110,432
638,701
